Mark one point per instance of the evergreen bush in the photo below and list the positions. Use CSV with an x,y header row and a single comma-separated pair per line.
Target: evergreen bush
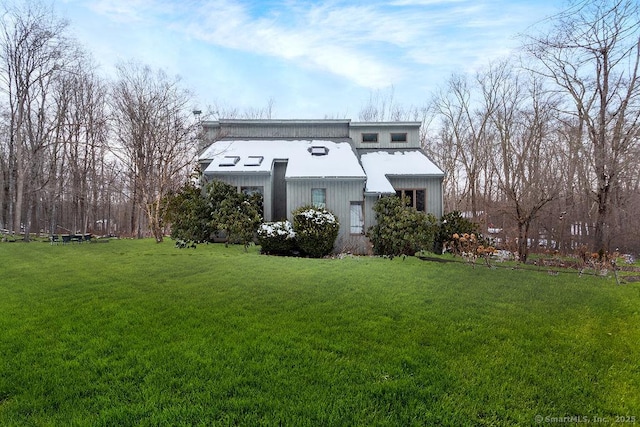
x,y
316,230
198,215
276,238
400,229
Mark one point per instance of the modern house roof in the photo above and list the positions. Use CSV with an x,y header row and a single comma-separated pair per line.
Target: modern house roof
x,y
306,158
379,165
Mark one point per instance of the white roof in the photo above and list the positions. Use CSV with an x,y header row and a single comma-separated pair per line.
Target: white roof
x,y
379,165
243,156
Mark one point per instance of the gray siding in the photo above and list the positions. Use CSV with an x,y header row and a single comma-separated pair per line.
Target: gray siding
x,y
369,215
340,194
240,181
278,129
433,189
384,132
432,185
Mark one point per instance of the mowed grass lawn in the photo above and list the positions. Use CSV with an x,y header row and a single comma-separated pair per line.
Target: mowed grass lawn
x,y
136,333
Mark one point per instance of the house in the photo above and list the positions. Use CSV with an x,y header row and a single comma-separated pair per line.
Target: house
x,y
338,164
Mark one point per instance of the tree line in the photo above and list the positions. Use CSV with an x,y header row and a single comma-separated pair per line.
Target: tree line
x,y
546,145
540,148
79,153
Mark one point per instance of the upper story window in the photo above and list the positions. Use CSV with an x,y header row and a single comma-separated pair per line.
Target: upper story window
x,y
398,137
369,137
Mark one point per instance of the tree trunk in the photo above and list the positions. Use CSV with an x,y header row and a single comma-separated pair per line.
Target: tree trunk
x,y
523,241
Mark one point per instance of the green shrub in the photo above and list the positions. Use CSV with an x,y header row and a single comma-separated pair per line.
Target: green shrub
x,y
400,229
237,215
276,238
199,214
189,215
316,230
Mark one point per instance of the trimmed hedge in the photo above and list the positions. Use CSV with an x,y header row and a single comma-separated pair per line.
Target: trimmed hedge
x,y
316,230
276,238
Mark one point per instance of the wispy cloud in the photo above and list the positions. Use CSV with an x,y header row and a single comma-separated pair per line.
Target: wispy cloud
x,y
356,46
372,44
322,36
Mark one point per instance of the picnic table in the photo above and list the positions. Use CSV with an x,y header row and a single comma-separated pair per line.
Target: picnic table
x,y
69,238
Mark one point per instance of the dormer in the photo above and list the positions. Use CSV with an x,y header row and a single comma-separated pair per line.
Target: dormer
x,y
385,135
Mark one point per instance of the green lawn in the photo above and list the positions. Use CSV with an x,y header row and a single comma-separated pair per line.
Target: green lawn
x,y
135,333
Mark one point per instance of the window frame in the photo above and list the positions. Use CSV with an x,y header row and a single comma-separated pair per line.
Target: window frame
x,y
250,190
319,205
253,161
370,134
229,161
414,197
359,227
401,134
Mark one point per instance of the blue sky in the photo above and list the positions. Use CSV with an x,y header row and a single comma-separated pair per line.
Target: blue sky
x,y
314,59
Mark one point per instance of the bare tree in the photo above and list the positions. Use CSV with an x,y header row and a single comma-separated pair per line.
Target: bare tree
x,y
593,55
154,128
4,169
219,110
34,50
81,145
382,107
464,109
526,160
442,148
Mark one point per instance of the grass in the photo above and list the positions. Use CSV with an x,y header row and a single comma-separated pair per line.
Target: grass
x,y
135,333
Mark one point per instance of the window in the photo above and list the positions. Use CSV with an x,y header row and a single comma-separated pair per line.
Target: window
x,y
254,161
257,194
319,150
417,198
357,218
398,137
250,191
229,160
370,137
319,197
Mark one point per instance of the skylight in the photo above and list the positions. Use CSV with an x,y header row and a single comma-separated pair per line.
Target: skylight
x,y
229,160
319,150
254,161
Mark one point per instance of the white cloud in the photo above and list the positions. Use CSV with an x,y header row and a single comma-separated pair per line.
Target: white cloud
x,y
322,36
306,52
373,45
120,11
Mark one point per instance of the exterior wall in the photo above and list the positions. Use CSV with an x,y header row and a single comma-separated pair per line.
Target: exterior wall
x,y
384,131
340,194
256,180
277,129
369,214
433,186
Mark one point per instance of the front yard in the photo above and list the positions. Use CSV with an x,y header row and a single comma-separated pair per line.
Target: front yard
x,y
133,332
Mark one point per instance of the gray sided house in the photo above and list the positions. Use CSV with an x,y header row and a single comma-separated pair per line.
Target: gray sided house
x,y
341,165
